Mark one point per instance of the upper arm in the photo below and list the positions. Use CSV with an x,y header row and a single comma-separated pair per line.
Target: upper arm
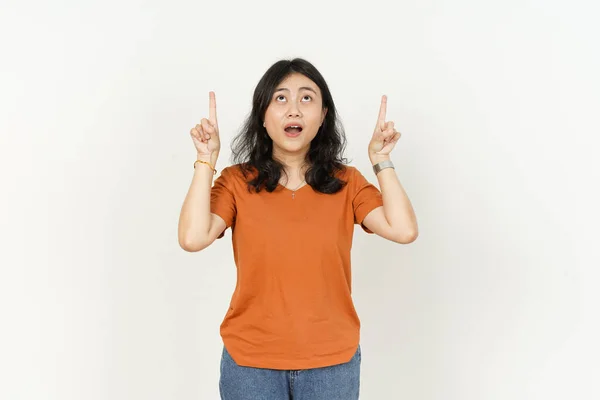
x,y
222,204
367,201
216,229
376,222
368,209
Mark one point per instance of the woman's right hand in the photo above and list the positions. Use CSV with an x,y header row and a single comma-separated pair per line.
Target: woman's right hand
x,y
205,135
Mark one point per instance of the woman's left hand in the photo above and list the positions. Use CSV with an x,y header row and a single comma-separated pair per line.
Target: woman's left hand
x,y
384,137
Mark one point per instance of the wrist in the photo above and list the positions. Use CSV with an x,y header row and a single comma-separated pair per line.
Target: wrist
x,y
375,159
211,158
381,165
208,160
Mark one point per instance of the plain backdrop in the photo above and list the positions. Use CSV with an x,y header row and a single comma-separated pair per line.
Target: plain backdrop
x,y
498,106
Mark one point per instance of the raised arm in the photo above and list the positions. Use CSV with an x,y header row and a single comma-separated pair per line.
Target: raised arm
x,y
198,227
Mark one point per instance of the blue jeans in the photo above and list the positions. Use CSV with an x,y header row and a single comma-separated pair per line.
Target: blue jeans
x,y
336,382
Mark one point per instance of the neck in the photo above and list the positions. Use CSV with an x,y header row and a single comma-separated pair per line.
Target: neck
x,y
293,163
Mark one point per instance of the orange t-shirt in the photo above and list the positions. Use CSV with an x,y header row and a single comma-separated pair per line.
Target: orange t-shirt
x,y
292,306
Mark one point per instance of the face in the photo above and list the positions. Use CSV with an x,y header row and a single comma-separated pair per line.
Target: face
x,y
295,101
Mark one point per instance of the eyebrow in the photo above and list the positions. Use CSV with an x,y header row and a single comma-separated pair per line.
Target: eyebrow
x,y
303,87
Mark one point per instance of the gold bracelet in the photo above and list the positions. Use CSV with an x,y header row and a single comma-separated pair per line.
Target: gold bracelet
x,y
207,163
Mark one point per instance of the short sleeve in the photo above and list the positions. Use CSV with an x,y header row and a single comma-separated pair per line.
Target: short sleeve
x,y
366,198
222,200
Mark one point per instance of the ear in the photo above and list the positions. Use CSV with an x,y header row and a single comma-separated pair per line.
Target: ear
x,y
323,114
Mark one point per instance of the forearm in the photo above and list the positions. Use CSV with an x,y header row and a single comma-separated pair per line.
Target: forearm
x,y
194,219
397,207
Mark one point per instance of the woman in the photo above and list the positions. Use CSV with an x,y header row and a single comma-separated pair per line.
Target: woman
x,y
291,201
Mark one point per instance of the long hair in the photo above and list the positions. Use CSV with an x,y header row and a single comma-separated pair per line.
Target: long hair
x,y
252,148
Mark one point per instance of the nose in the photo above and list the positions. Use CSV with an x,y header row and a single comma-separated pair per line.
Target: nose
x,y
293,111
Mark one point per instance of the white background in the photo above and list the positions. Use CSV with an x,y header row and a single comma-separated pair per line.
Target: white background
x,y
498,105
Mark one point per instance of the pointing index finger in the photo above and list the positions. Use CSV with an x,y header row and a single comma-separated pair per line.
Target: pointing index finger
x,y
383,108
382,112
212,108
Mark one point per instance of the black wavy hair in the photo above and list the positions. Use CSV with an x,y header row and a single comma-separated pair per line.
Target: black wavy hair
x,y
252,148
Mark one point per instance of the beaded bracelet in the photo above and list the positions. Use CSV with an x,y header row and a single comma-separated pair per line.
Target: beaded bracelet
x,y
207,163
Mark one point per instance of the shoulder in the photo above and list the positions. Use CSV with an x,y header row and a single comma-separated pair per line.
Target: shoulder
x,y
346,172
357,181
232,171
235,176
351,174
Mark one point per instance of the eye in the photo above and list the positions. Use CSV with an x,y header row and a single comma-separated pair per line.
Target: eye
x,y
282,96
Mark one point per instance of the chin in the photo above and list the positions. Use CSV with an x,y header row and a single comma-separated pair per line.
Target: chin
x,y
292,145
293,148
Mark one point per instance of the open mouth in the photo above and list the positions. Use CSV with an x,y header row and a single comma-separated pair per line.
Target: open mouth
x,y
293,130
